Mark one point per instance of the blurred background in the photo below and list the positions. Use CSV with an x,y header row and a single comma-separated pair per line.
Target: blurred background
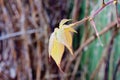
x,y
25,28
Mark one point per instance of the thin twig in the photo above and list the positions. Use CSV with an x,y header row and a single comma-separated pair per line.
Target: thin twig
x,y
12,35
87,42
116,69
38,48
92,38
100,9
25,42
86,25
108,53
86,34
45,28
103,57
75,12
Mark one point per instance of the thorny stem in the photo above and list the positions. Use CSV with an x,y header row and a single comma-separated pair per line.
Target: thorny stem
x,y
93,24
94,14
87,42
100,9
93,37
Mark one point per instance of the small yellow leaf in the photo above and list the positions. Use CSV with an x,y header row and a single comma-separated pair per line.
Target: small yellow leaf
x,y
61,37
63,22
65,37
56,49
68,37
70,30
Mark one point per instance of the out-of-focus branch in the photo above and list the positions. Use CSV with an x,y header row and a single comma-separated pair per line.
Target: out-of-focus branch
x,y
101,8
38,48
116,69
86,29
26,53
85,37
76,8
78,52
104,55
12,35
87,42
106,52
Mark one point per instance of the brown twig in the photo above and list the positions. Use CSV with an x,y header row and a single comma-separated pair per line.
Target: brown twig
x,y
86,34
86,25
8,23
108,53
38,49
116,69
24,15
25,41
101,8
104,55
92,38
87,42
75,12
15,34
44,22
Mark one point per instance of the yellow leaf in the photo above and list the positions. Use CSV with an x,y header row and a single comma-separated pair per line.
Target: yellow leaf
x,y
56,49
63,22
51,42
61,37
67,27
68,37
65,37
70,29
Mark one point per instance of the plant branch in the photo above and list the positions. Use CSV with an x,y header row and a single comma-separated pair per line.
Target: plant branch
x,y
76,8
116,69
103,55
108,54
91,39
88,41
74,24
100,9
11,35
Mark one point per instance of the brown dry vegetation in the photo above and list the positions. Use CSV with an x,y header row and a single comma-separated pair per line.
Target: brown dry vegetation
x,y
25,27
